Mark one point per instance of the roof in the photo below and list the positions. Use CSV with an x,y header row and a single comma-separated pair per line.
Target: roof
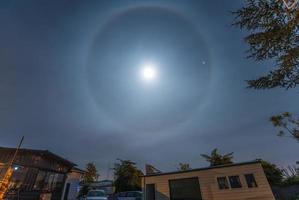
x,y
76,169
41,152
205,168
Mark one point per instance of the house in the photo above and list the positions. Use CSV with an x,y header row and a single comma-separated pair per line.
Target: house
x,y
38,174
237,181
72,184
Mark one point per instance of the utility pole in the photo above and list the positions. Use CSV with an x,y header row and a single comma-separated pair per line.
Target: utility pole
x,y
5,181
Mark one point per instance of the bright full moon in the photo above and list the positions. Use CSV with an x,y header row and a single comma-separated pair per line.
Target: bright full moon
x,y
148,72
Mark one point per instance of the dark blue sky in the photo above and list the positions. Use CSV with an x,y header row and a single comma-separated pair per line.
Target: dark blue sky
x,y
69,82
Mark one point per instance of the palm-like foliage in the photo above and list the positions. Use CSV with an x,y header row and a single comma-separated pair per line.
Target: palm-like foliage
x,y
217,159
184,167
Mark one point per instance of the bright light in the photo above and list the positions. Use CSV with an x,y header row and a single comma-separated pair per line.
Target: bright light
x,y
148,72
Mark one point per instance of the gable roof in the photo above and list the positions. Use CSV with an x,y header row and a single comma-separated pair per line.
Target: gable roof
x,y
78,170
41,153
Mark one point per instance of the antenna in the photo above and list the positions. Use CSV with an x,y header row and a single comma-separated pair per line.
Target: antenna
x,y
9,172
16,152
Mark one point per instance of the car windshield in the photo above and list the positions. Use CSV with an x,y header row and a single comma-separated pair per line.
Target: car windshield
x,y
96,194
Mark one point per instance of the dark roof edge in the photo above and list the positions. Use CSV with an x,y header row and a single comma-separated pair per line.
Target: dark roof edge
x,y
78,170
206,168
42,151
60,158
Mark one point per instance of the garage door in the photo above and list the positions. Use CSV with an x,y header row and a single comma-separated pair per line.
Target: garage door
x,y
185,189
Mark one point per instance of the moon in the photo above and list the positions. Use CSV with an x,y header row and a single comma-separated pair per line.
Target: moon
x,y
148,72
153,78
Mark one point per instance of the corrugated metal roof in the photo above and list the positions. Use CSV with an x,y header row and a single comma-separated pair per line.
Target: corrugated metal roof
x,y
41,152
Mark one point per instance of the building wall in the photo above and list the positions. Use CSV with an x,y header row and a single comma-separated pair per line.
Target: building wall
x,y
29,183
73,179
209,186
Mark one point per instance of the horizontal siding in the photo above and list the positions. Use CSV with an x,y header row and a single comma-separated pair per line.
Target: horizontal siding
x,y
209,186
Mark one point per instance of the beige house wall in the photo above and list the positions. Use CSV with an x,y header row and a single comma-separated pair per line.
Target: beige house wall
x,y
209,186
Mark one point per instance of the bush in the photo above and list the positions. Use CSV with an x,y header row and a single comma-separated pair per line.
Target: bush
x,y
293,180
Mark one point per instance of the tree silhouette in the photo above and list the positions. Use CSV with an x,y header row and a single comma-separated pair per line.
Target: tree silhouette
x,y
91,173
273,173
287,124
184,167
217,159
127,176
274,35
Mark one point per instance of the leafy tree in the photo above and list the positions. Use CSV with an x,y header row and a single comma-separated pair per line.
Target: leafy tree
x,y
292,180
217,159
83,191
287,124
91,173
127,176
184,167
291,175
273,173
274,35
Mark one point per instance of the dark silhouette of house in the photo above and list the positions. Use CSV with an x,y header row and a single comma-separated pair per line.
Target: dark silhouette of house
x,y
38,174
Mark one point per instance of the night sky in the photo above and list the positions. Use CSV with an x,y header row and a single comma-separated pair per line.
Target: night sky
x,y
70,82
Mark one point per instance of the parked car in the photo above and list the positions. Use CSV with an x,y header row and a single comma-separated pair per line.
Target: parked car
x,y
96,195
130,195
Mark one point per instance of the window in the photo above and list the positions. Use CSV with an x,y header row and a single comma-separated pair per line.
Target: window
x,y
17,180
222,183
185,189
39,181
234,182
48,181
58,181
251,183
53,181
